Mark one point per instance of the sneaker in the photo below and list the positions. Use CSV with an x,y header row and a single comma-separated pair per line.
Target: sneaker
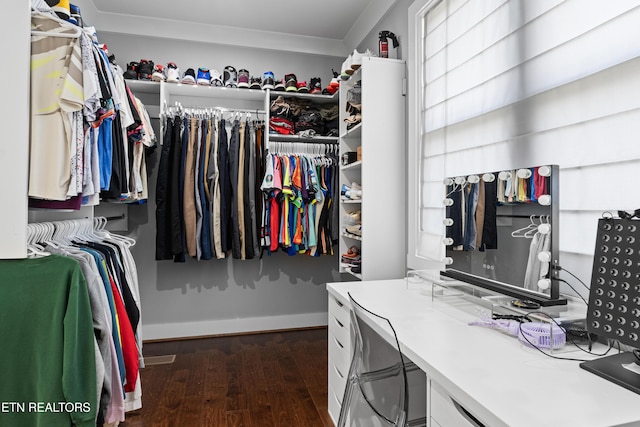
x,y
216,78
243,78
279,86
268,80
75,14
61,8
350,261
353,253
316,85
189,77
356,229
354,217
354,192
291,83
256,83
302,87
356,59
230,76
204,77
334,85
172,73
158,74
132,71
346,70
145,69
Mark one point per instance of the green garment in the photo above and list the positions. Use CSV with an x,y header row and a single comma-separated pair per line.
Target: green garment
x,y
47,353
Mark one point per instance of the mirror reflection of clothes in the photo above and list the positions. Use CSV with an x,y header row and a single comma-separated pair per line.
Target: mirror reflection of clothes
x,y
537,269
474,216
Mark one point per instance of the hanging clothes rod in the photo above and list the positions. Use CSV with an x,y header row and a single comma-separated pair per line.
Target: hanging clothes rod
x,y
213,109
521,216
115,218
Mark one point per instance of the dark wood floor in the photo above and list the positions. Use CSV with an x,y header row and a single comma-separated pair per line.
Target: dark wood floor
x,y
262,380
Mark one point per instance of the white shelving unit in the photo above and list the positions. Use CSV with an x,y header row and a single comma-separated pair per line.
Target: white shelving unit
x,y
380,172
232,98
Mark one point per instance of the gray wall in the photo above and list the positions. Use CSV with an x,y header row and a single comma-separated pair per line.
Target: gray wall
x,y
396,21
194,54
222,296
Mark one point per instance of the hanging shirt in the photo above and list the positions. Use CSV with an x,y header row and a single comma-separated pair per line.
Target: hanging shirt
x,y
56,92
52,356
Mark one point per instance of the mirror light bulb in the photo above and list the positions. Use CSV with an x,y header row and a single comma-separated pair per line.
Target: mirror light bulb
x,y
524,173
448,222
504,176
544,200
448,241
544,284
448,181
473,179
488,177
448,260
544,228
448,202
544,171
460,180
544,256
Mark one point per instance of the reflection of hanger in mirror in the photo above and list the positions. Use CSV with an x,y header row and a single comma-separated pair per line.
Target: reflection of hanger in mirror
x,y
528,231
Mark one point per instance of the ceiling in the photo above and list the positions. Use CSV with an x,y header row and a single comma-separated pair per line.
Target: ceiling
x,y
325,27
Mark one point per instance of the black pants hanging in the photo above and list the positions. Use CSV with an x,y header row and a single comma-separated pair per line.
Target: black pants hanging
x,y
163,236
225,188
174,201
234,157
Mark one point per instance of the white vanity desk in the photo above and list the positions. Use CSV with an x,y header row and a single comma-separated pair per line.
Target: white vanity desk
x,y
492,375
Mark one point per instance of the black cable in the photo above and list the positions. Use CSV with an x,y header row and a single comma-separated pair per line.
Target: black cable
x,y
572,341
561,327
575,277
574,290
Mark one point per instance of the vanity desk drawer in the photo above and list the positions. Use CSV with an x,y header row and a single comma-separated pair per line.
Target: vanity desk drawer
x,y
447,412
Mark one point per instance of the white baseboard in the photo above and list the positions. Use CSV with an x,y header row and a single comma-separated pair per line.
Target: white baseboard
x,y
231,326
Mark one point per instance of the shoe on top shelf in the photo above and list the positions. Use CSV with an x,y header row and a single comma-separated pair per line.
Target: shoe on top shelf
x,y
302,87
291,83
268,80
216,78
230,76
189,77
145,69
172,73
279,86
256,83
315,85
333,85
132,71
204,77
158,73
243,78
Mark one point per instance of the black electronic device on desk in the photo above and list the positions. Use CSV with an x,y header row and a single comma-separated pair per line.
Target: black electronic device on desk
x,y
614,298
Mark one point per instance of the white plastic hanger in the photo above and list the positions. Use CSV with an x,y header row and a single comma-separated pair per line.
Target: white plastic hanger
x,y
526,231
67,25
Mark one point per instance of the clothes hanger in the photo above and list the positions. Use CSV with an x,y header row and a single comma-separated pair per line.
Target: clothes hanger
x,y
67,26
522,232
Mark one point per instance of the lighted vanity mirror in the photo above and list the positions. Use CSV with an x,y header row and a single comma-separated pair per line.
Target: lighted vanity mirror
x,y
502,234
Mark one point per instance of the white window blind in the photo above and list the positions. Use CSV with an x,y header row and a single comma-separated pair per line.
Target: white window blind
x,y
503,84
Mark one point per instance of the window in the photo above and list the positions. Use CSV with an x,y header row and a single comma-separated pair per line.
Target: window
x,y
503,84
